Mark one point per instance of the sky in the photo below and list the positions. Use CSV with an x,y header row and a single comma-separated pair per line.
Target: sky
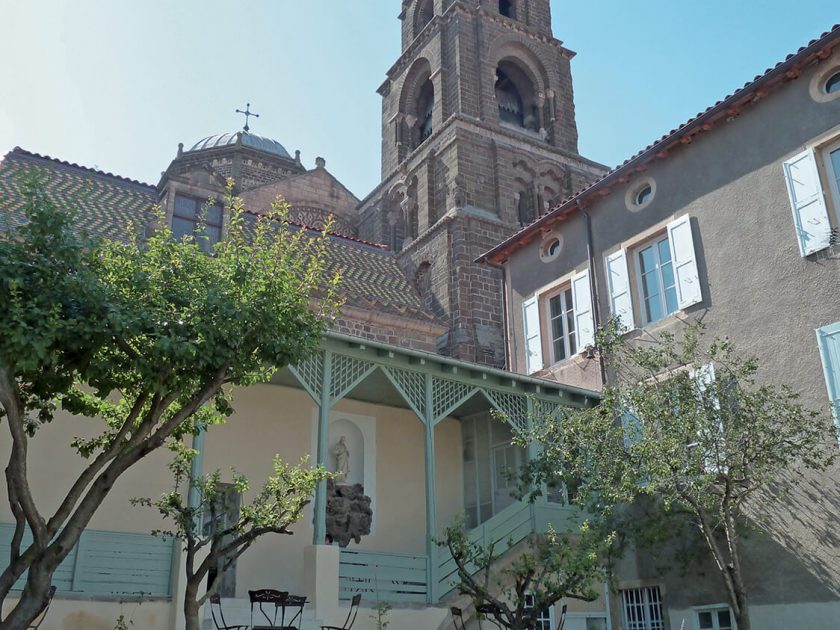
x,y
117,84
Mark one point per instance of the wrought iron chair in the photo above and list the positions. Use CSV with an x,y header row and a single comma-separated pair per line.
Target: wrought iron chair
x,y
219,617
351,616
36,623
292,607
263,601
457,618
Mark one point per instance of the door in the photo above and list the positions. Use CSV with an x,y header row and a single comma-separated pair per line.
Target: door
x,y
506,460
226,514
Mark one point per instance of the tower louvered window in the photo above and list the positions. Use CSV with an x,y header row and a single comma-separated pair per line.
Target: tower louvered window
x,y
510,102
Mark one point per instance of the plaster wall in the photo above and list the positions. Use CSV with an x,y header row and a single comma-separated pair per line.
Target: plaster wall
x,y
758,291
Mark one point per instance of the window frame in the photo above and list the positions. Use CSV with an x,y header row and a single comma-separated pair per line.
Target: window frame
x,y
541,620
653,241
200,217
714,609
647,623
829,180
546,323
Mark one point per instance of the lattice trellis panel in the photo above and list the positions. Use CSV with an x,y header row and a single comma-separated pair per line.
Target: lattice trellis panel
x,y
514,406
311,373
447,395
412,387
347,372
545,409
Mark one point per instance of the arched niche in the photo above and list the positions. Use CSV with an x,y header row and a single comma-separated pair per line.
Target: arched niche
x,y
360,437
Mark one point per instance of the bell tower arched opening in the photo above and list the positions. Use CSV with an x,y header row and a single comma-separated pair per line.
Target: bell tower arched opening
x,y
516,96
508,8
423,14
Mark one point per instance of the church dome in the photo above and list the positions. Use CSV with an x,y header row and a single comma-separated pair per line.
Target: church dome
x,y
267,145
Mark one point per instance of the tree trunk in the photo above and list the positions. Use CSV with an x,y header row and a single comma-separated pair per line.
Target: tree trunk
x,y
32,601
743,620
191,606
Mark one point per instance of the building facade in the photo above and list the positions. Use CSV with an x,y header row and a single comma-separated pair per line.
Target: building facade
x,y
732,218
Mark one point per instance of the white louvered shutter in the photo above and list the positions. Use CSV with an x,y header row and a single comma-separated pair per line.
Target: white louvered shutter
x,y
621,300
533,340
681,242
582,305
810,216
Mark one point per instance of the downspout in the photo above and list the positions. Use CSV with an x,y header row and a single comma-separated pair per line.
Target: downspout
x,y
506,320
593,284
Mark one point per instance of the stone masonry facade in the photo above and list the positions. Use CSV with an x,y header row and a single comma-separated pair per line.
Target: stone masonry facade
x,y
478,138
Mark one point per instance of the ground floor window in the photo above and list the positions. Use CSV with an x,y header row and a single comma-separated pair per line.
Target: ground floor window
x,y
641,609
715,618
545,620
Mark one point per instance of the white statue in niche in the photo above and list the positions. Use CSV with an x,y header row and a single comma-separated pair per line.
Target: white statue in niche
x,y
342,459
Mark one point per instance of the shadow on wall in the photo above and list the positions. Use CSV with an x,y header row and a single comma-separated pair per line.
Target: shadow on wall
x,y
805,524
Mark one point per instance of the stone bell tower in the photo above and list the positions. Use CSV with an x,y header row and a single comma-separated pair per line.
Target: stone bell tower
x,y
478,138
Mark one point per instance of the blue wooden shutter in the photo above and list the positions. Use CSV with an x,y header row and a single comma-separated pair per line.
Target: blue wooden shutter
x,y
533,339
621,300
828,339
810,216
681,242
582,305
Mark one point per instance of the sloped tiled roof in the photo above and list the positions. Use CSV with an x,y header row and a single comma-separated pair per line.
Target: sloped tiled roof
x,y
706,121
105,205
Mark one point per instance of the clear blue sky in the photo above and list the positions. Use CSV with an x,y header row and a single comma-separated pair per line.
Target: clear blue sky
x,y
117,84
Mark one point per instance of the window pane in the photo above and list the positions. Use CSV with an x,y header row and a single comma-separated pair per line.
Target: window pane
x,y
835,163
724,620
596,624
664,251
185,207
647,259
214,215
705,619
182,227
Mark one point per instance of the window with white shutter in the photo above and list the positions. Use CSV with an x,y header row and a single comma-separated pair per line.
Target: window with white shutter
x,y
582,304
686,276
618,279
533,339
810,215
828,339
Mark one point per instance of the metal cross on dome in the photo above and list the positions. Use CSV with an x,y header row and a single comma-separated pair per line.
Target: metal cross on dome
x,y
248,114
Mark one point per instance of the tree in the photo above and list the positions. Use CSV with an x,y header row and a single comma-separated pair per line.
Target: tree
x,y
203,529
148,337
552,567
691,425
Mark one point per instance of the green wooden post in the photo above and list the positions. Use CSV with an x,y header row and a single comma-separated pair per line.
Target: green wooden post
x,y
320,530
431,508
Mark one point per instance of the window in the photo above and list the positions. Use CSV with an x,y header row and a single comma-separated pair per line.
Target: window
x,y
831,158
832,85
641,609
516,96
565,323
644,195
422,15
715,618
189,212
545,618
828,339
561,325
550,247
656,281
666,276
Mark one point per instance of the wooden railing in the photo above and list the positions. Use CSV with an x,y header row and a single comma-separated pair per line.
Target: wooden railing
x,y
394,577
379,576
108,563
